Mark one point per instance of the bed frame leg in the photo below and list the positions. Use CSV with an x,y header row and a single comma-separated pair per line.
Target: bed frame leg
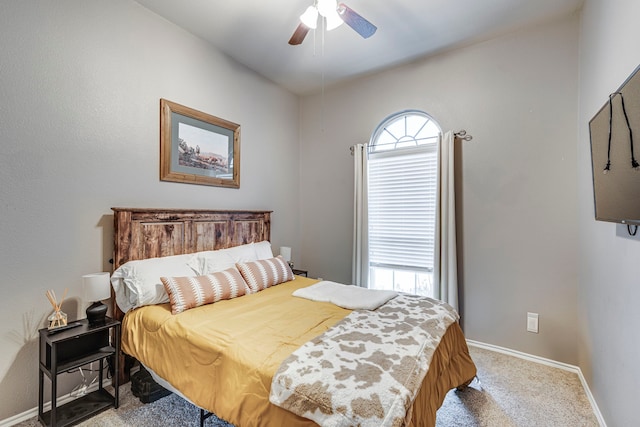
x,y
464,385
203,416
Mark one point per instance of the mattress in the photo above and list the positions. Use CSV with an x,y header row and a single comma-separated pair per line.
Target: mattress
x,y
222,356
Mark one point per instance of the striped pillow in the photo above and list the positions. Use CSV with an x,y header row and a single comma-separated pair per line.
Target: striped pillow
x,y
264,273
189,292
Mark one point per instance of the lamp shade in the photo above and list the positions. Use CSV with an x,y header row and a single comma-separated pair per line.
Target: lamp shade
x,y
329,9
96,286
333,21
285,252
310,17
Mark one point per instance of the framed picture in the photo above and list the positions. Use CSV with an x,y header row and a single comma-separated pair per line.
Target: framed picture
x,y
198,148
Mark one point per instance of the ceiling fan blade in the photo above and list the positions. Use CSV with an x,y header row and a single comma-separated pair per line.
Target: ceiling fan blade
x,y
355,21
299,34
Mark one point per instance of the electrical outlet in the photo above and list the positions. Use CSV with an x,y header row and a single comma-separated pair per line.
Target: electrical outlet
x,y
532,322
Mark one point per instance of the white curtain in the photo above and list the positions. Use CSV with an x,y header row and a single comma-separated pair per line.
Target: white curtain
x,y
360,263
445,271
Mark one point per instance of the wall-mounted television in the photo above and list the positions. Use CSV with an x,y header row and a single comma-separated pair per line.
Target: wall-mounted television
x,y
615,153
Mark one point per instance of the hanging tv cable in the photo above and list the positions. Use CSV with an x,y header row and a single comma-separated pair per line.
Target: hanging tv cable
x,y
634,163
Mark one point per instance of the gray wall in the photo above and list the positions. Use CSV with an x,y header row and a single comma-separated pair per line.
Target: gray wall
x,y
80,83
517,95
609,260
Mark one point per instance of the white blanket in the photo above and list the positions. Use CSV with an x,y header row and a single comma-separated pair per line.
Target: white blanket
x,y
346,296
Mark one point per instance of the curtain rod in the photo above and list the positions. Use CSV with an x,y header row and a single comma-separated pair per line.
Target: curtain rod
x,y
462,134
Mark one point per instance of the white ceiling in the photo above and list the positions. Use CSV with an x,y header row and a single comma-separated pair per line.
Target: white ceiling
x,y
255,33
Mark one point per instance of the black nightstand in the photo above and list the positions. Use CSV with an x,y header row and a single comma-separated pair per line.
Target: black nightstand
x,y
300,272
70,348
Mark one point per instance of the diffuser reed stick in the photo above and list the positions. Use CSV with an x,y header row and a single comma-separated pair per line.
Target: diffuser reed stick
x,y
57,318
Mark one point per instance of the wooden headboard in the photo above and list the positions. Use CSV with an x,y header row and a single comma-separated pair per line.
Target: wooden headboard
x,y
147,233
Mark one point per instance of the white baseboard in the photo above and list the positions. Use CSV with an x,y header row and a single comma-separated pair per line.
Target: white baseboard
x,y
547,362
30,413
537,359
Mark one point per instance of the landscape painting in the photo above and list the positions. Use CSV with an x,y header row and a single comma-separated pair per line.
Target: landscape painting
x,y
198,148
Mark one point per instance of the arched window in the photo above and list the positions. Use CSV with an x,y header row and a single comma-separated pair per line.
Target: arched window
x,y
403,167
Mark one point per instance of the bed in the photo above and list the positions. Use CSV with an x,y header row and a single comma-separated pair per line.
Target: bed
x,y
230,357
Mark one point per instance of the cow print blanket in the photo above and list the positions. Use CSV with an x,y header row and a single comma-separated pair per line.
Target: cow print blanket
x,y
367,369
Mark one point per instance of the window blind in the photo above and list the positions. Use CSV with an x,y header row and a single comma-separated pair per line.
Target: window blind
x,y
402,208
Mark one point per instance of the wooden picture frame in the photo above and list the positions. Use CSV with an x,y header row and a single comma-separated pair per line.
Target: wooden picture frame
x,y
198,148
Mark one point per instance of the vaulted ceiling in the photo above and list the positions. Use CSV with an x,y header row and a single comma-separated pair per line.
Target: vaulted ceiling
x,y
255,33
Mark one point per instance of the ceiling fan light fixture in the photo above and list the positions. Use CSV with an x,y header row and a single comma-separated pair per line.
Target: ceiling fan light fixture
x,y
333,20
326,7
310,17
334,15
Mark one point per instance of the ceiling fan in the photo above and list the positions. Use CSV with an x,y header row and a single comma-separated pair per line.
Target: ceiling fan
x,y
335,15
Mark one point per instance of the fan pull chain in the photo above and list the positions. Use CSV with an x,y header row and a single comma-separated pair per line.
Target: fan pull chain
x,y
324,30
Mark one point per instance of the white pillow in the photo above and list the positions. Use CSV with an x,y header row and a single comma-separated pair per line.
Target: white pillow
x,y
263,250
137,283
209,262
243,252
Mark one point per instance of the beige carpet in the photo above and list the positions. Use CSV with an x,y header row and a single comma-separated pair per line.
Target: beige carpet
x,y
510,392
515,392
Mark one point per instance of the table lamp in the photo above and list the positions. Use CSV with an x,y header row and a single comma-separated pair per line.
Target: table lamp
x,y
285,252
96,288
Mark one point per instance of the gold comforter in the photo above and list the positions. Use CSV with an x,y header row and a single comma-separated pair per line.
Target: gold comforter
x,y
223,356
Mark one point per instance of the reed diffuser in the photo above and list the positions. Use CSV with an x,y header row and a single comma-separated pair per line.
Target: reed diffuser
x,y
58,318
